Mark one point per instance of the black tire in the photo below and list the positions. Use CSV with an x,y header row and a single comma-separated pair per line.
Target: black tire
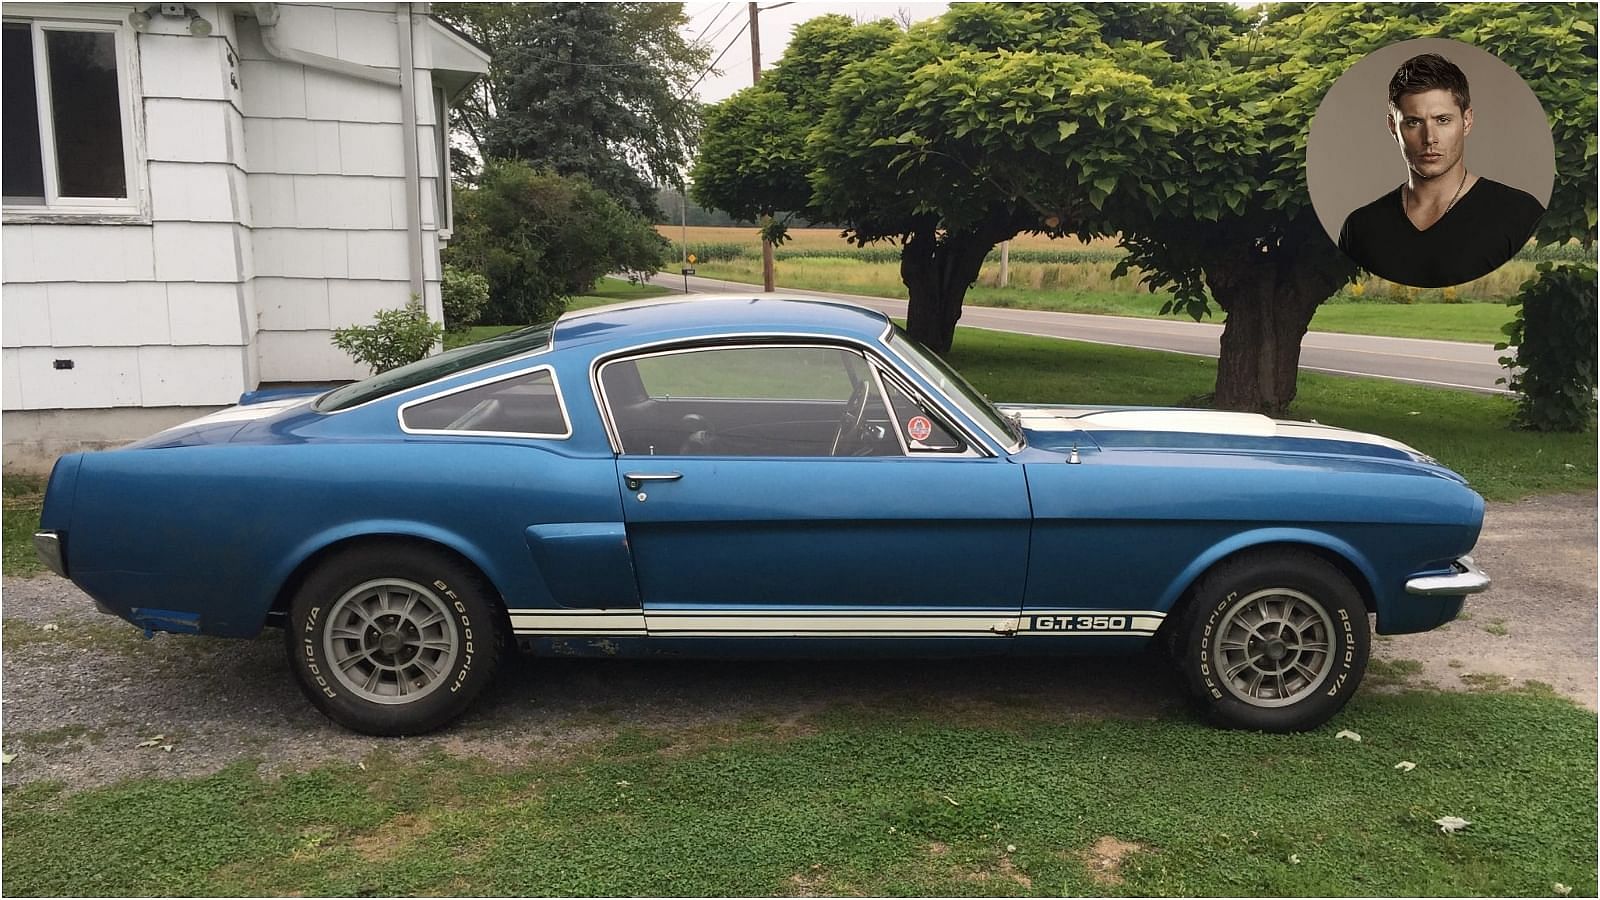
x,y
419,635
1283,602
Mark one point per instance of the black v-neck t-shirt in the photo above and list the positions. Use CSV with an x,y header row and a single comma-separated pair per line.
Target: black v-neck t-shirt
x,y
1486,227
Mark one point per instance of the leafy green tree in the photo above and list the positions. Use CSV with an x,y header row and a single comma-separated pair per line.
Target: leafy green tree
x,y
1249,240
960,133
540,238
1179,128
753,159
996,120
590,89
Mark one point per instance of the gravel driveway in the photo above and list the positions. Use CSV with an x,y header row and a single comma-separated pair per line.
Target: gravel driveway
x,y
78,698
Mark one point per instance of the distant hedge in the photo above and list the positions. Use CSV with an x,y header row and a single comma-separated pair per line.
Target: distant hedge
x,y
1568,252
725,251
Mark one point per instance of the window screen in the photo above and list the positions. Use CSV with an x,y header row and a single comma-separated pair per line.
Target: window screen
x,y
86,113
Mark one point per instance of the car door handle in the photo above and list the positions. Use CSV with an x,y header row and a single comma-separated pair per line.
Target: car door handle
x,y
635,479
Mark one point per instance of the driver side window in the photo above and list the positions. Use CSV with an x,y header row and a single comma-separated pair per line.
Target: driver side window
x,y
748,401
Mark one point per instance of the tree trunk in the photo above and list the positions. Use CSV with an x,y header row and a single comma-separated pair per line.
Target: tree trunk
x,y
937,270
1259,365
1270,290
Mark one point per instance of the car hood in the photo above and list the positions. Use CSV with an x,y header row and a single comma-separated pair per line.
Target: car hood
x,y
1147,428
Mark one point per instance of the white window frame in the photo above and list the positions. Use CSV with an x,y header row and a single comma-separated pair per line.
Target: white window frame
x,y
555,384
444,200
105,20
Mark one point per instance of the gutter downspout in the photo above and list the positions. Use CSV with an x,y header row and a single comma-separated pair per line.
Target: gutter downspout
x,y
408,125
267,15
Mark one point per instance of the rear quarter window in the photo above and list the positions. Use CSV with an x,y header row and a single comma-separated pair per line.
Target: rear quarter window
x,y
528,404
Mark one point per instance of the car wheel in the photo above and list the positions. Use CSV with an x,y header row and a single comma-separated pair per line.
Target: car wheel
x,y
387,640
1274,641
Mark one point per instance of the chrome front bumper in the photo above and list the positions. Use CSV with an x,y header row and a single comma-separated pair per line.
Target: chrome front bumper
x,y
1467,579
48,545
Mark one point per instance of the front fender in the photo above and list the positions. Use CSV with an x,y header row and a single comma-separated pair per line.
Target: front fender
x,y
1261,537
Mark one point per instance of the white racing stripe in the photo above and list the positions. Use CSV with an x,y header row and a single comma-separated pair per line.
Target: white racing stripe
x,y
1186,421
577,621
836,623
247,413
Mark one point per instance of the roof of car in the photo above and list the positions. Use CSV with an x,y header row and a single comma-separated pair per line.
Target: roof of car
x,y
677,316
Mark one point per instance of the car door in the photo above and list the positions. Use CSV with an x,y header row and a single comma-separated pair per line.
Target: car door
x,y
771,491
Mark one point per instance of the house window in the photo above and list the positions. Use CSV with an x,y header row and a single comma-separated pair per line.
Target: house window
x,y
67,136
441,149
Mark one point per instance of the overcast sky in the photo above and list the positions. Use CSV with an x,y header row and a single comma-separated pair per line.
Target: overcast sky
x,y
715,24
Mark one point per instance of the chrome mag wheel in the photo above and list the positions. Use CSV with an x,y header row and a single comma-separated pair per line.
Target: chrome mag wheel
x,y
391,640
1273,647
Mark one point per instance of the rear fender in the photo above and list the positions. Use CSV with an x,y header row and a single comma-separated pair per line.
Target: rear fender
x,y
379,528
59,493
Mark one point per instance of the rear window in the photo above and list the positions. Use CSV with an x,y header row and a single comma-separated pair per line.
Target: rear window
x,y
505,346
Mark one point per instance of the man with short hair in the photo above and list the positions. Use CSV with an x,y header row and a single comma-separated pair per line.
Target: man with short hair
x,y
1444,225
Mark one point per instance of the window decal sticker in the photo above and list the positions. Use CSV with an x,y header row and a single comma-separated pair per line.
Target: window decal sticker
x,y
918,428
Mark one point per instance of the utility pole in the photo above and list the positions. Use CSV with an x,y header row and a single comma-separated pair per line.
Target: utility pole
x,y
768,278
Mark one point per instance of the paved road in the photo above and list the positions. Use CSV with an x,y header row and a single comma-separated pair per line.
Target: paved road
x,y
1441,363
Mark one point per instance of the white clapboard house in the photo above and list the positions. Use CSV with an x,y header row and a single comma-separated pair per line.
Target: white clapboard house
x,y
196,196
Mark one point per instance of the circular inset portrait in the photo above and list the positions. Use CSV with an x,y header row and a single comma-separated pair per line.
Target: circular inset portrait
x,y
1430,163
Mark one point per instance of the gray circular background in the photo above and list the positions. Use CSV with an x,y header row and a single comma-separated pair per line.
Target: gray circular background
x,y
1352,160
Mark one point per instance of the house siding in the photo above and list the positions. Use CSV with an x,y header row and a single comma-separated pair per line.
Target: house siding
x,y
100,297
273,210
327,187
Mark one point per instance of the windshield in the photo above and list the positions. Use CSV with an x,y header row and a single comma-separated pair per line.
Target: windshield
x,y
952,385
505,346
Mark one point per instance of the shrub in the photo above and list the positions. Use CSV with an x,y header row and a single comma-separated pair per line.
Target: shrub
x,y
1555,336
728,251
540,238
465,294
396,337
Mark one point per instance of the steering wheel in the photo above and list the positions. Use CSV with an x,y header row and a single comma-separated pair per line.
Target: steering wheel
x,y
855,412
698,442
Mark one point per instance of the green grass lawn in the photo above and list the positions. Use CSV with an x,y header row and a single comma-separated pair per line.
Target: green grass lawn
x,y
1471,322
914,799
22,496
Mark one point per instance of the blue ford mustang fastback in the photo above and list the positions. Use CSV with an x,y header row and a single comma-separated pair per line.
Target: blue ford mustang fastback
x,y
758,477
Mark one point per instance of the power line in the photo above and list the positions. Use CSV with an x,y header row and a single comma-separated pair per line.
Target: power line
x,y
712,22
735,18
714,62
